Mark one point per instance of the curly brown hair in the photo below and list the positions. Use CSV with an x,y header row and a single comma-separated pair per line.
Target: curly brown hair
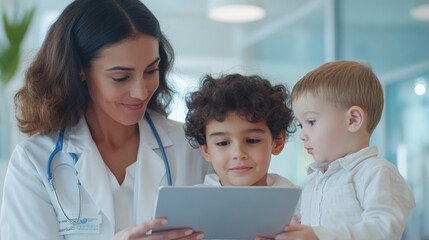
x,y
252,97
53,95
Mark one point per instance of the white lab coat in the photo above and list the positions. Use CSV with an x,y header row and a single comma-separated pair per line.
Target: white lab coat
x,y
29,209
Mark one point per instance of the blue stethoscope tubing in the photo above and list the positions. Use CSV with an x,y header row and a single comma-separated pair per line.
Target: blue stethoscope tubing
x,y
59,147
161,148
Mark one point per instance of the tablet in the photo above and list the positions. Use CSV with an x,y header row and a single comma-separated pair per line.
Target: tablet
x,y
227,212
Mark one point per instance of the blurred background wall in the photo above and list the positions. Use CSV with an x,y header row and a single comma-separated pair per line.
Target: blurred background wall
x,y
293,37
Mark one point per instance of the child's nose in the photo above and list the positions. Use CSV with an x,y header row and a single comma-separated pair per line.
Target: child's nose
x,y
303,136
239,153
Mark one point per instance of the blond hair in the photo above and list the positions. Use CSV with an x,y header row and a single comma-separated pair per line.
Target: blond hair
x,y
345,84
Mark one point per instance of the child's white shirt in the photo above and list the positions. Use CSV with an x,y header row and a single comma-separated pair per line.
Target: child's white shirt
x,y
360,196
272,180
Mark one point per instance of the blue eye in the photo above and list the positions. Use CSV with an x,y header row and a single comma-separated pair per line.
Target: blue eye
x,y
311,122
300,125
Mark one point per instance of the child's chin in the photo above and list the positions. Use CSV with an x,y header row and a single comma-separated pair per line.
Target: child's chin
x,y
243,183
326,161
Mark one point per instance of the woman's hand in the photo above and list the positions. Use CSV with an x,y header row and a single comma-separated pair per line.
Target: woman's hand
x,y
139,231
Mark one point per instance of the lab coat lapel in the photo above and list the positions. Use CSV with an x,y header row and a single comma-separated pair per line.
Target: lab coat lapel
x,y
151,172
148,179
92,172
94,179
146,134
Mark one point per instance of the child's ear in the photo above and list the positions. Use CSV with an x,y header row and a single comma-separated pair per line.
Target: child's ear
x,y
279,143
204,150
356,118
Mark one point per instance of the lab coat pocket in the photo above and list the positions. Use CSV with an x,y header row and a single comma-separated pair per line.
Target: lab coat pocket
x,y
88,223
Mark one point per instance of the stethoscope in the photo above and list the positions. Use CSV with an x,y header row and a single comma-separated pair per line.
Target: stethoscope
x,y
59,147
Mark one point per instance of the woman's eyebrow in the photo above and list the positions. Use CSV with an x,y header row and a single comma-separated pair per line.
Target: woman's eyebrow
x,y
131,69
120,68
153,63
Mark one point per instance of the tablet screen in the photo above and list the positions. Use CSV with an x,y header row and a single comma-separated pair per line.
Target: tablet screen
x,y
227,212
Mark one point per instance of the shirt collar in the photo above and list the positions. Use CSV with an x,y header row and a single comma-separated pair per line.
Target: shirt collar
x,y
348,162
212,179
147,135
78,137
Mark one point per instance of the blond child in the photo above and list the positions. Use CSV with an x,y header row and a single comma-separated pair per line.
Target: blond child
x,y
354,194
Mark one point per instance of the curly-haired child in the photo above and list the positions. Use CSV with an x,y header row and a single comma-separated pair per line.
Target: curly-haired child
x,y
238,122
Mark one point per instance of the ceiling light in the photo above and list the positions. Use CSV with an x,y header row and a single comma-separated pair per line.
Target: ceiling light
x,y
420,86
236,11
421,11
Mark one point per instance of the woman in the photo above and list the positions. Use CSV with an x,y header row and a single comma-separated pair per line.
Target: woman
x,y
102,66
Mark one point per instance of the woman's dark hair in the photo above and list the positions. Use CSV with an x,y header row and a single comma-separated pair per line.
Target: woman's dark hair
x,y
53,95
252,97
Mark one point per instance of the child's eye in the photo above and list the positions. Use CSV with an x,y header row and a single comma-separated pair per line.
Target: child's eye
x,y
311,122
222,143
300,125
252,140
